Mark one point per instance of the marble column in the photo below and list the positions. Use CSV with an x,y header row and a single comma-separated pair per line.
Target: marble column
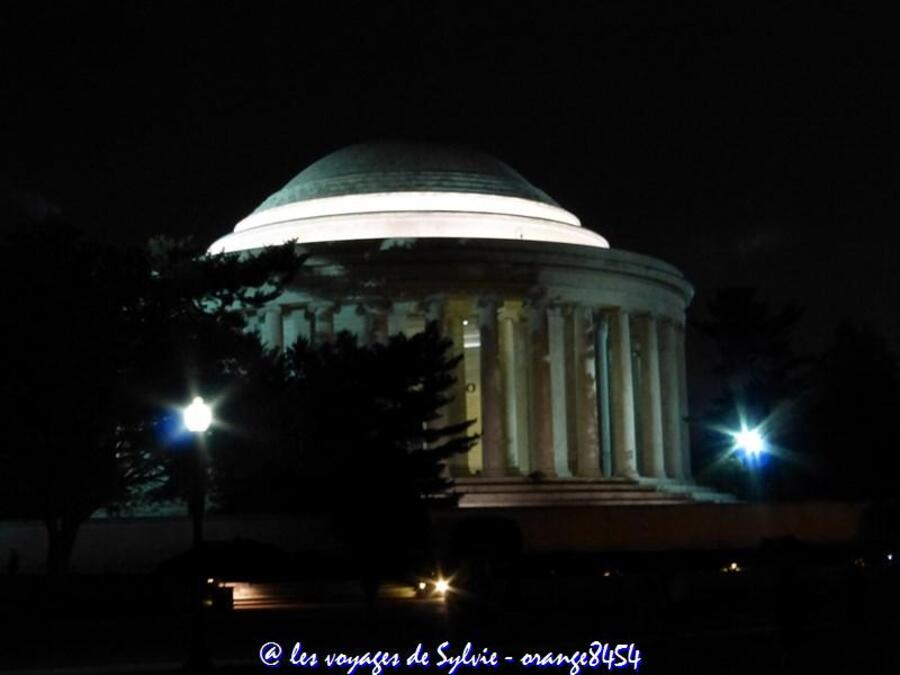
x,y
515,402
295,324
397,318
683,403
376,317
523,395
541,400
603,395
587,430
556,333
379,315
624,442
570,373
365,320
671,401
650,400
456,408
433,308
322,322
493,451
273,338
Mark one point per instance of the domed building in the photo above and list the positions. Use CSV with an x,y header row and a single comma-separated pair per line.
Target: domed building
x,y
573,352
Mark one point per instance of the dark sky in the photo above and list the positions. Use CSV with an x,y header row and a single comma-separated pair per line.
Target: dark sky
x,y
752,146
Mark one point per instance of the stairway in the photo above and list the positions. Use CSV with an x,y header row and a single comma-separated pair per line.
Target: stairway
x,y
516,491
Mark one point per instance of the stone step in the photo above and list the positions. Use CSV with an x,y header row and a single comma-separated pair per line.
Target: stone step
x,y
575,496
556,486
524,479
543,500
517,491
713,496
700,493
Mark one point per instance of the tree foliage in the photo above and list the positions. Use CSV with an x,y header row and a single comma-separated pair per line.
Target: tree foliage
x,y
354,432
349,432
101,339
764,385
849,428
825,418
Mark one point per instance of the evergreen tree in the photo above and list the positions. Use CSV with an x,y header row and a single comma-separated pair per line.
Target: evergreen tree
x,y
856,391
354,432
102,341
764,387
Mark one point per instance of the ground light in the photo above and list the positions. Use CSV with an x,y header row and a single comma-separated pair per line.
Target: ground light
x,y
442,586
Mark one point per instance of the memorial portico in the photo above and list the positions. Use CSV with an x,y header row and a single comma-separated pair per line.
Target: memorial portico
x,y
573,365
528,400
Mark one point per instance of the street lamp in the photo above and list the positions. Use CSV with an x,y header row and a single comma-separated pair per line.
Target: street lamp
x,y
197,419
749,442
197,416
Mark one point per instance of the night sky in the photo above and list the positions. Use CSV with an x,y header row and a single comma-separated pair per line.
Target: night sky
x,y
752,146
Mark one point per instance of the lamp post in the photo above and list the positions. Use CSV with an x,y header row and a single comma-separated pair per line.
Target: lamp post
x,y
197,419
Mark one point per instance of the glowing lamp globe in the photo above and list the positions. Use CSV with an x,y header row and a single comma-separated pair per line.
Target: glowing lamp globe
x,y
197,416
750,442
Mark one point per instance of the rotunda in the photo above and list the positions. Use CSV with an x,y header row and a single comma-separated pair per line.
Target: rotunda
x,y
573,352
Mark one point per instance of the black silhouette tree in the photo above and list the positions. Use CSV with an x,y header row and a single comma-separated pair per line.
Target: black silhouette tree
x,y
352,431
856,393
101,339
763,385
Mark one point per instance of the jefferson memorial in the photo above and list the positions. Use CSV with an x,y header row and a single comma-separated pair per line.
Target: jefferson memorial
x,y
573,351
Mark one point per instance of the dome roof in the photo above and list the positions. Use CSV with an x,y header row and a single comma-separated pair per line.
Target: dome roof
x,y
402,190
403,166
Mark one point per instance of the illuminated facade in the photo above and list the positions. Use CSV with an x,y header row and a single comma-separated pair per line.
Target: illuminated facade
x,y
573,363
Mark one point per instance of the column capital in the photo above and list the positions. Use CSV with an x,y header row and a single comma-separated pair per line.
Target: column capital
x,y
488,301
373,305
273,332
511,311
557,309
433,300
434,307
667,321
455,308
535,295
320,307
616,311
536,315
435,297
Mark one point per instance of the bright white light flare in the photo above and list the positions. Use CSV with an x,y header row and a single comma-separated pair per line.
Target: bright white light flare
x,y
197,416
750,442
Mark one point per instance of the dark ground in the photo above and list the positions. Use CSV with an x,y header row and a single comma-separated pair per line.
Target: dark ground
x,y
825,611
